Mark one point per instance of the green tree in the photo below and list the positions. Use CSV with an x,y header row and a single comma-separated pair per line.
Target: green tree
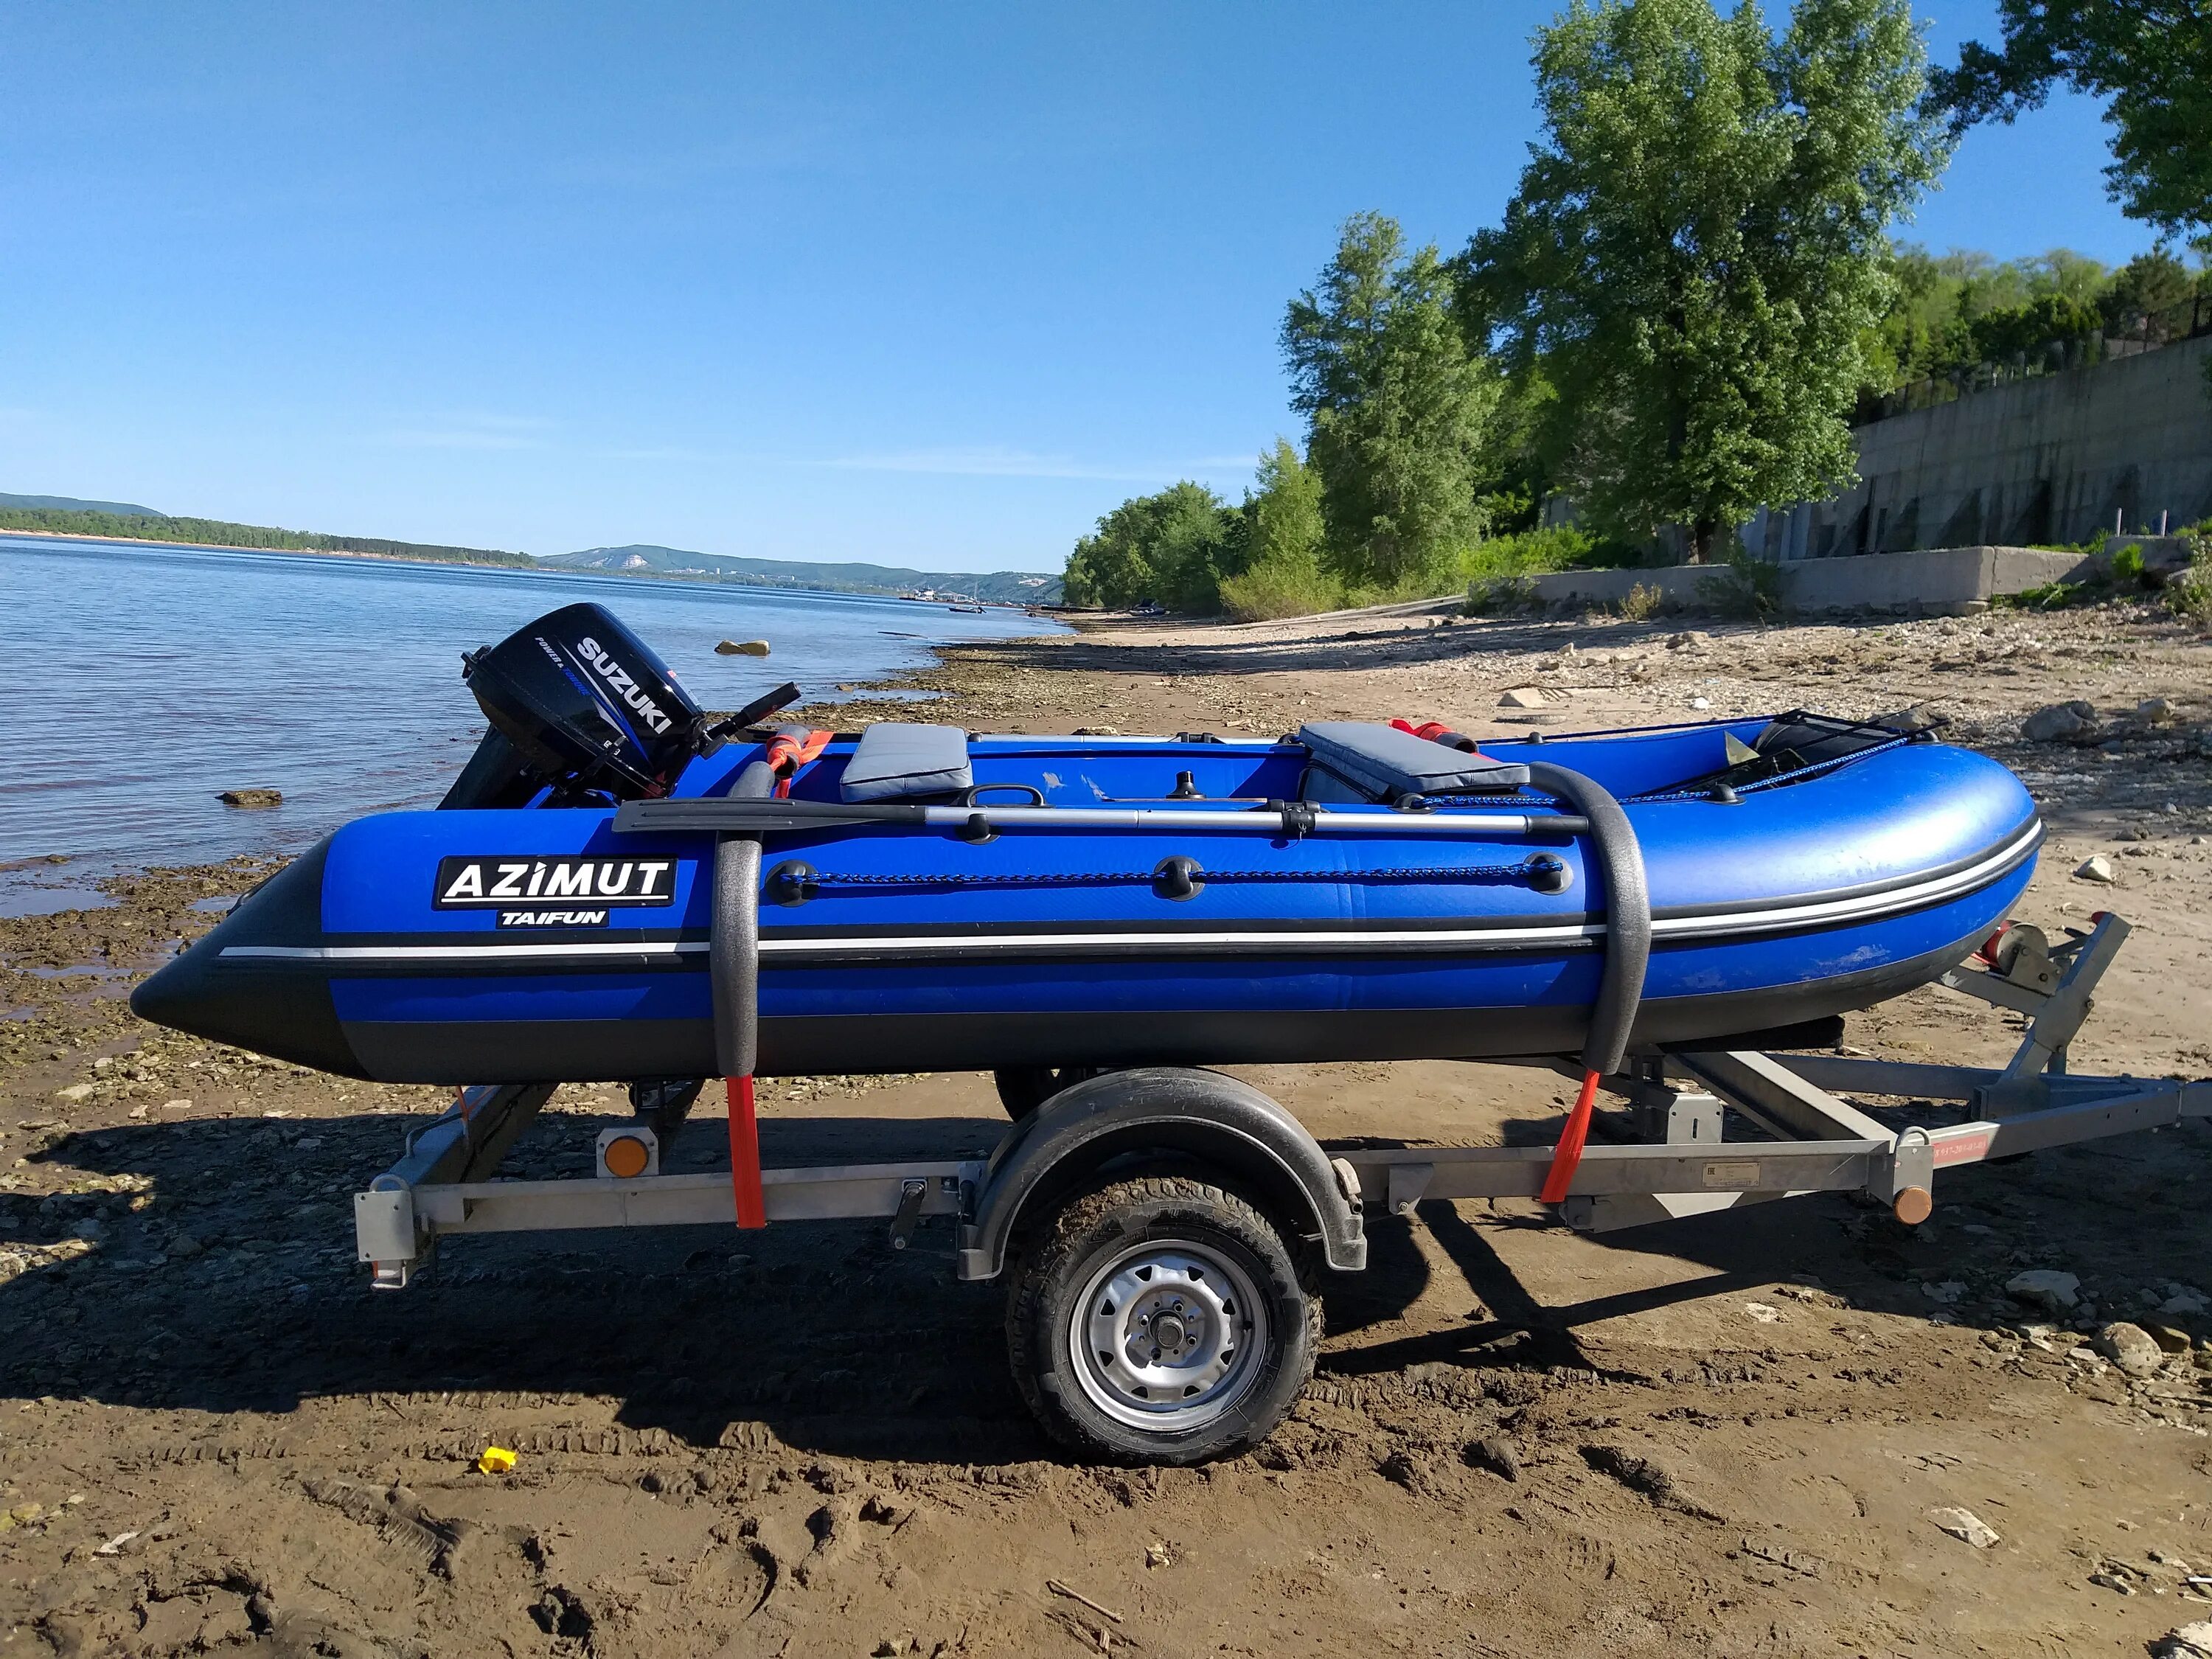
x,y
2144,292
1172,548
1697,254
1285,511
2019,331
1395,404
1285,534
2151,58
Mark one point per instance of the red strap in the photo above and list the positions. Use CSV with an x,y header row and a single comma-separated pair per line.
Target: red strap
x,y
1427,731
744,1154
786,755
1567,1156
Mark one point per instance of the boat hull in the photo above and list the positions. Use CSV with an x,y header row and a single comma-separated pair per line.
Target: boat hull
x,y
925,952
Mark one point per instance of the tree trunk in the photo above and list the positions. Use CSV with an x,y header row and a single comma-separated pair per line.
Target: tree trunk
x,y
1701,540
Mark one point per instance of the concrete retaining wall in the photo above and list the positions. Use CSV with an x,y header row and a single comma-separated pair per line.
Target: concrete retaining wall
x,y
2051,459
1935,581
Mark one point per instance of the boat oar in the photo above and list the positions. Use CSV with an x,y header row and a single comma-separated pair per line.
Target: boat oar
x,y
726,814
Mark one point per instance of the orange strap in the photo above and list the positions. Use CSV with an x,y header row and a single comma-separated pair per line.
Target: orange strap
x,y
785,754
744,1154
1567,1156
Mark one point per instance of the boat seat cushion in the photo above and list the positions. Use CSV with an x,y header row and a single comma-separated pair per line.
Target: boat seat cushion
x,y
1382,762
894,760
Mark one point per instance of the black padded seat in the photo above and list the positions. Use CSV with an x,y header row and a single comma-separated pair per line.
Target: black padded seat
x,y
1354,760
894,761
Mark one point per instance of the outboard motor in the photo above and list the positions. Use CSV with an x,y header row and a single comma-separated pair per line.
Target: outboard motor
x,y
580,705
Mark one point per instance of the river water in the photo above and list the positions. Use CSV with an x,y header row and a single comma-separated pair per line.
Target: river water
x,y
145,681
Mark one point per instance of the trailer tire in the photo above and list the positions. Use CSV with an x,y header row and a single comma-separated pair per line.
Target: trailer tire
x,y
1197,1327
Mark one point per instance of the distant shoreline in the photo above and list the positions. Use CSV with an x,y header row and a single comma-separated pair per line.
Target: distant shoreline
x,y
535,568
234,547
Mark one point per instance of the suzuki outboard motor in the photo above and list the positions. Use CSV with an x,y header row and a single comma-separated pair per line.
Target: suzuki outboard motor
x,y
578,704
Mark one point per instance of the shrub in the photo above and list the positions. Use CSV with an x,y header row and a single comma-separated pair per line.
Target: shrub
x,y
1500,594
1745,588
1286,585
1641,603
2190,594
2051,596
1534,552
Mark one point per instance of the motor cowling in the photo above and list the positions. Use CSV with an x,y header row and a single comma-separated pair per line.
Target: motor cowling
x,y
578,704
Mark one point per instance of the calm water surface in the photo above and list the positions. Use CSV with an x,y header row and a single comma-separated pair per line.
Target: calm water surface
x,y
146,680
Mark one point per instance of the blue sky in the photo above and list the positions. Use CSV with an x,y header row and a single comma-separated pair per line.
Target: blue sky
x,y
932,285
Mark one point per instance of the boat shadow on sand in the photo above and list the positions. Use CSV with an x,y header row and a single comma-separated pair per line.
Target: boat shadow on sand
x,y
219,1277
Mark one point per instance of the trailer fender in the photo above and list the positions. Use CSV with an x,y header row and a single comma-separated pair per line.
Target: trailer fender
x,y
1190,1116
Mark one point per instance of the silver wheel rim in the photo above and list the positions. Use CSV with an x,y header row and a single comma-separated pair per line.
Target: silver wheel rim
x,y
1168,1335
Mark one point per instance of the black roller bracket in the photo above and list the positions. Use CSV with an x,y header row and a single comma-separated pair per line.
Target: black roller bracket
x,y
977,831
792,882
1410,801
1725,795
1186,789
1178,877
1548,874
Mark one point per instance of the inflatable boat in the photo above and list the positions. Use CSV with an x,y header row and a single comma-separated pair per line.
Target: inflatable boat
x,y
620,888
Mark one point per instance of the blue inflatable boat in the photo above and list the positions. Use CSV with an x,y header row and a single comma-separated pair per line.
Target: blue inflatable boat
x,y
622,889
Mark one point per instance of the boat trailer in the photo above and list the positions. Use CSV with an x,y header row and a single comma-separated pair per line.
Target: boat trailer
x,y
1667,1156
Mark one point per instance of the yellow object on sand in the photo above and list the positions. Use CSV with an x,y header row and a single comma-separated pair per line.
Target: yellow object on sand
x,y
495,1460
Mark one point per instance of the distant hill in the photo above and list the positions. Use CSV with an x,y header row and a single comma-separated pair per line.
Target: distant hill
x,y
70,504
997,587
142,524
64,515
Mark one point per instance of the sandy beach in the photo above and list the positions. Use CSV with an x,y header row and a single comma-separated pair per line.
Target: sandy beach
x,y
1737,1435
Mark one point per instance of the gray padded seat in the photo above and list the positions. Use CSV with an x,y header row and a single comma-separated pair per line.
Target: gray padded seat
x,y
1356,761
893,761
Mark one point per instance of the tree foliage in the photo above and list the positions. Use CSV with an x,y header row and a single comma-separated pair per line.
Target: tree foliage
x,y
1395,401
1697,253
1949,311
2151,58
1171,549
1286,535
2144,291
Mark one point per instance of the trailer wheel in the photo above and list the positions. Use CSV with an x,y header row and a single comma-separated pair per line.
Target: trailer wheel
x,y
1023,1089
1161,1320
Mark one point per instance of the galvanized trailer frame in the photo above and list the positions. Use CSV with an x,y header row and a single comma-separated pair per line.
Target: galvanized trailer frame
x,y
1678,1164
1668,1156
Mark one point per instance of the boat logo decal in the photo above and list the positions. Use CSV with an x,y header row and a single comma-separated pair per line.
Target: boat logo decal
x,y
495,883
623,686
552,918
